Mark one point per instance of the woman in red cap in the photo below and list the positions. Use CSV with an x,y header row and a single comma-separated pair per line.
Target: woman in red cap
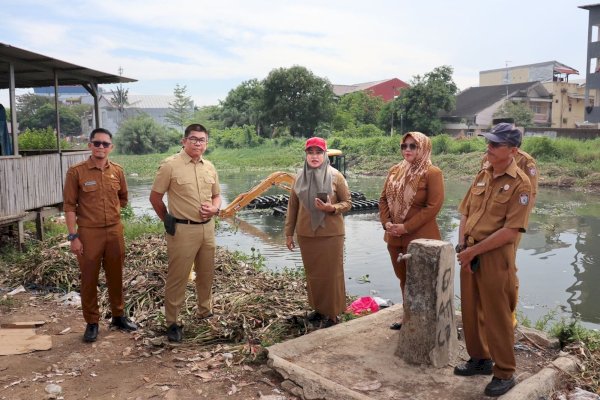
x,y
319,196
411,198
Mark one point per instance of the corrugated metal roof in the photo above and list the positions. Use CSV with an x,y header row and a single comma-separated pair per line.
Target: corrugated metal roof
x,y
35,70
149,101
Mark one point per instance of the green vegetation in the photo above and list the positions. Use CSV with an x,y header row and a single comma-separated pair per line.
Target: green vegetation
x,y
40,139
143,135
562,162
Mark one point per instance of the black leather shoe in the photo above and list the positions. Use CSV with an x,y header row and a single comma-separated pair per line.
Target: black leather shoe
x,y
474,367
124,323
497,387
396,326
175,333
314,316
91,333
328,323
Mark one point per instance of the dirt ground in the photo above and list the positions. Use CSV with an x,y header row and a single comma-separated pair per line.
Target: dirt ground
x,y
122,365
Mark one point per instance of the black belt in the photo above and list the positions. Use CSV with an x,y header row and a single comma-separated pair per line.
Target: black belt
x,y
188,221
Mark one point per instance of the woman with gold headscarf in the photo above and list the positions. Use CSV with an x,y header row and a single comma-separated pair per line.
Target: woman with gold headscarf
x,y
411,198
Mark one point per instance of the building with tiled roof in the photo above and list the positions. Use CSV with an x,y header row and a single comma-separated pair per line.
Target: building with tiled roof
x,y
387,89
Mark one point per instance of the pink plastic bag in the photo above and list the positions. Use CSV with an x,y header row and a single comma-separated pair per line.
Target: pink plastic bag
x,y
363,305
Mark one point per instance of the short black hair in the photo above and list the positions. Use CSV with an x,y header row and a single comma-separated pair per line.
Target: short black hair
x,y
99,130
195,128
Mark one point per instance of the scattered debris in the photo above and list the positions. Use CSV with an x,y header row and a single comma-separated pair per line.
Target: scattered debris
x,y
19,289
366,386
22,340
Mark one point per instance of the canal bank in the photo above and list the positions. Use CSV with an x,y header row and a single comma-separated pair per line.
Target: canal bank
x,y
355,360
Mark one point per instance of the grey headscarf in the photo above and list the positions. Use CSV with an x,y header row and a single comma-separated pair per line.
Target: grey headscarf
x,y
309,182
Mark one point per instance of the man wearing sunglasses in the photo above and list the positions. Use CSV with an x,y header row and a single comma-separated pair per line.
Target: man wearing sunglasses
x,y
494,211
95,191
192,186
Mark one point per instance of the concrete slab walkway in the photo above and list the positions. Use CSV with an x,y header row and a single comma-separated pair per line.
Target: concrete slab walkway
x,y
355,360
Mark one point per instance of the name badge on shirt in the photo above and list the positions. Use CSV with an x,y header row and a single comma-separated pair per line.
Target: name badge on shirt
x,y
480,184
89,183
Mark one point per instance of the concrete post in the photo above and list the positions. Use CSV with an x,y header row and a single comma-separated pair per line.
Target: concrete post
x,y
428,335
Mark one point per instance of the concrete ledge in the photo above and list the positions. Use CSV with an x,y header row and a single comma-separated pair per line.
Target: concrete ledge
x,y
339,362
544,382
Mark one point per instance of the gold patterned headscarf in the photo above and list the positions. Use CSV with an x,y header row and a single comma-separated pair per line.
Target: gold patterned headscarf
x,y
403,179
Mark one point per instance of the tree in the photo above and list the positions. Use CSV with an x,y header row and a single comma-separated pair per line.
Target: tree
x,y
142,135
363,107
295,99
516,110
421,103
28,104
181,109
242,106
210,117
45,117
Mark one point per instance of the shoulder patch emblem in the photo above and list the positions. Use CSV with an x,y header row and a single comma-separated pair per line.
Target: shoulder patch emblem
x,y
532,171
524,199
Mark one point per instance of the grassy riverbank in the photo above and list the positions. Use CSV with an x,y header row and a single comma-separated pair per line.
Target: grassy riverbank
x,y
561,162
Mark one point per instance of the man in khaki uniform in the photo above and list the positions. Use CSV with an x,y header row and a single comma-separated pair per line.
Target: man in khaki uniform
x,y
95,190
527,164
192,186
494,212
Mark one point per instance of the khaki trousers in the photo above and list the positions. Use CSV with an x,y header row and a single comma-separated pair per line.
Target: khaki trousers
x,y
488,300
191,245
101,247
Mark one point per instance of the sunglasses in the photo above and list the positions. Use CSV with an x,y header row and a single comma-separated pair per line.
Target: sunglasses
x,y
98,143
412,146
495,145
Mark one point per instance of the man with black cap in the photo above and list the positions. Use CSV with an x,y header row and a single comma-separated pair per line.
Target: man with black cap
x,y
494,211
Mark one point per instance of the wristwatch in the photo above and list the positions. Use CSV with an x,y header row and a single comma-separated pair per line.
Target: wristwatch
x,y
72,236
460,247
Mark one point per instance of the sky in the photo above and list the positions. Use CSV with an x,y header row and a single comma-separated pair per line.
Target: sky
x,y
213,46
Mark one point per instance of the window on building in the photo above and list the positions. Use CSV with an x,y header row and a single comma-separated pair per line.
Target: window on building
x,y
595,31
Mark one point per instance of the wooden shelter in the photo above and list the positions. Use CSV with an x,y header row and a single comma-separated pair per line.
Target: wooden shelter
x,y
31,186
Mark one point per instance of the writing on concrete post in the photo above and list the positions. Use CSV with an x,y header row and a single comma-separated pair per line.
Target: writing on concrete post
x,y
428,335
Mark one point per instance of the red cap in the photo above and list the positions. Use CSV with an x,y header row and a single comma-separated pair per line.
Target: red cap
x,y
316,142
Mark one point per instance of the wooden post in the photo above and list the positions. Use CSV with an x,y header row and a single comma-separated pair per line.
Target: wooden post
x,y
428,335
39,225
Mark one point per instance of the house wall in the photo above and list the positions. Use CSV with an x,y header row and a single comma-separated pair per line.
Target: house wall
x,y
542,73
388,89
568,104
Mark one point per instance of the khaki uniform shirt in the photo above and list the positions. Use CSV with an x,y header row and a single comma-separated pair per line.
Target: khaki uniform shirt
x,y
94,195
495,203
187,185
298,217
527,164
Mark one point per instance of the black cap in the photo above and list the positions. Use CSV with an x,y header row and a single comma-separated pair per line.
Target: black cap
x,y
504,133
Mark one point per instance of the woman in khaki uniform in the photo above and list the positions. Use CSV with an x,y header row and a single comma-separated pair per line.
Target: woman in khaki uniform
x,y
319,196
411,198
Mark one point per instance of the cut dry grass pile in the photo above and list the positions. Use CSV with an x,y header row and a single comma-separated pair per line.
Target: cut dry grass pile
x,y
251,307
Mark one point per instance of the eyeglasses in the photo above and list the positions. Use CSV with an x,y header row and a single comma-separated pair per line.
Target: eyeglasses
x,y
195,140
496,144
314,152
412,146
98,143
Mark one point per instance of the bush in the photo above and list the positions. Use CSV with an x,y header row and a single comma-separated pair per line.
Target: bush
x,y
541,148
238,137
40,139
441,144
142,135
360,131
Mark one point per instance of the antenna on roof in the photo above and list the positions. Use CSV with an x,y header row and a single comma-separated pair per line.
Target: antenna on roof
x,y
506,78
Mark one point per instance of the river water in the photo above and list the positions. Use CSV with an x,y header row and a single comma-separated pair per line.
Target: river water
x,y
558,258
